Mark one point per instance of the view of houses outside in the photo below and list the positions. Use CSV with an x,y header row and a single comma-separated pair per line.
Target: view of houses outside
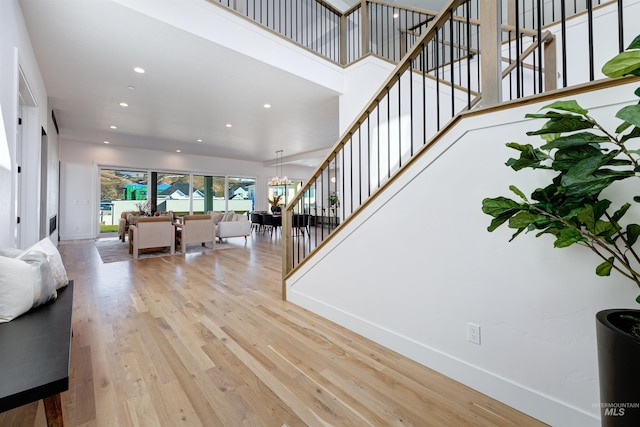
x,y
123,191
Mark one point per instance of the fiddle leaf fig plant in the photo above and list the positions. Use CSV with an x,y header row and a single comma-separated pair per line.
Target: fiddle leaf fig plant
x,y
583,158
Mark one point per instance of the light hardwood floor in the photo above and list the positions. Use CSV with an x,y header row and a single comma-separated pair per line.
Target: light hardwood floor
x,y
205,340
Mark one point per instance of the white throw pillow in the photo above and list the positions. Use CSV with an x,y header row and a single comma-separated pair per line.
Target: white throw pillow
x,y
229,216
44,288
16,288
58,271
217,217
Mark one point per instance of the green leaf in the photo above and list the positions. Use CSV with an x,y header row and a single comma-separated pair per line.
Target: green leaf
x,y
592,185
622,64
635,133
567,237
566,158
517,191
548,137
562,125
633,231
550,115
516,234
604,229
576,139
620,212
635,44
523,219
604,269
501,209
586,167
570,105
630,114
530,157
637,92
499,205
587,217
636,199
638,299
498,221
600,208
624,126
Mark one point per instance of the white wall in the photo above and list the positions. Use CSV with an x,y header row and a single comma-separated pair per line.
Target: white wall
x,y
234,32
418,264
361,81
80,178
16,52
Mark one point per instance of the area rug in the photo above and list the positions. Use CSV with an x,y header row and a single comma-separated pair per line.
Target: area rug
x,y
114,250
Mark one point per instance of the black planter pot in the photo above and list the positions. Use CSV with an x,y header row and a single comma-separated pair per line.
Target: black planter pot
x,y
619,368
276,209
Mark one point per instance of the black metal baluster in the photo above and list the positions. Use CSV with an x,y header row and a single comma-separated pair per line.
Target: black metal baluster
x,y
399,124
388,133
360,163
436,66
351,169
590,26
620,26
411,138
425,64
518,48
452,66
378,130
540,18
468,25
368,154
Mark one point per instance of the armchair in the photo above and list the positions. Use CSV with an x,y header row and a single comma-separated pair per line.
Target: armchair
x,y
196,229
154,232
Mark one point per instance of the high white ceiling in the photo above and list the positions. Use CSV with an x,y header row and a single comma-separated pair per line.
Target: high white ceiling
x,y
191,89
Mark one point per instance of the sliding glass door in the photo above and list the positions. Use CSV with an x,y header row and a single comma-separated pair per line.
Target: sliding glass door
x,y
120,191
172,193
208,193
241,193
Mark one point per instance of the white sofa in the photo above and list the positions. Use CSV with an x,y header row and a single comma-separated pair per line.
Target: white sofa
x,y
233,225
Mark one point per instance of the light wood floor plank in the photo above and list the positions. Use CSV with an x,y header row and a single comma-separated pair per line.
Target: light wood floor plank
x,y
205,339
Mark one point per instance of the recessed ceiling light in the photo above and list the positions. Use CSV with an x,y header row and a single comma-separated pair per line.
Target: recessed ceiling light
x,y
198,140
228,125
106,142
138,70
178,151
131,87
267,105
124,104
113,127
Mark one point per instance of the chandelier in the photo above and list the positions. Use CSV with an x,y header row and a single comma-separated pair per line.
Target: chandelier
x,y
278,180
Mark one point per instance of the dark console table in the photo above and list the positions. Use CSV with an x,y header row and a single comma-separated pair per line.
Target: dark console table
x,y
35,351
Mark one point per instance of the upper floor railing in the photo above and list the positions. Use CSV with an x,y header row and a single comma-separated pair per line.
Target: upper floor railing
x,y
369,27
474,52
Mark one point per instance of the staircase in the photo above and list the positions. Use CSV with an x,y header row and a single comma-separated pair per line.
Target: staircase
x,y
448,70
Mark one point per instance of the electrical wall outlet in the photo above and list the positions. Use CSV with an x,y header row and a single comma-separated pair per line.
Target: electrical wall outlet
x,y
473,333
